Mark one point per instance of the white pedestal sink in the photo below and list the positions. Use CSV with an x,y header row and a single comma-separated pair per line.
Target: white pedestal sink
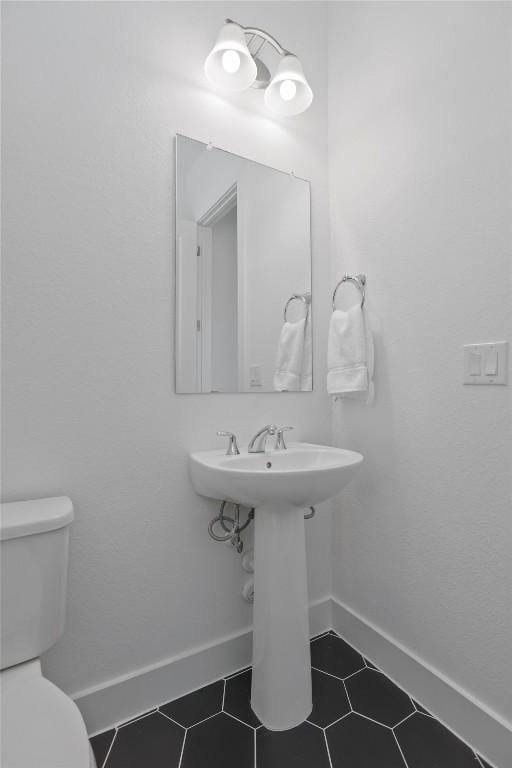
x,y
281,486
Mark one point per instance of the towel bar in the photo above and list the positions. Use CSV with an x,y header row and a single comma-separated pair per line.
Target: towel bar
x,y
304,297
358,280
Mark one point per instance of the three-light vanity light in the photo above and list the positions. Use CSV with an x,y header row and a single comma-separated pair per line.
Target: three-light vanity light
x,y
234,64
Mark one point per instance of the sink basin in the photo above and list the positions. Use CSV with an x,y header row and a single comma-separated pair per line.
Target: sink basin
x,y
280,485
302,475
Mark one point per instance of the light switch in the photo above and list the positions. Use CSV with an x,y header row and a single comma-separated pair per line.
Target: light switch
x,y
255,376
491,362
475,363
486,363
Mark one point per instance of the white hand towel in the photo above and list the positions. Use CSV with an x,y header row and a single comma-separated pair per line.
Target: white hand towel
x,y
350,355
290,356
306,383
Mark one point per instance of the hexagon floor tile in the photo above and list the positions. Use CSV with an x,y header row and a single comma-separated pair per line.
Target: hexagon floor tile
x,y
333,655
376,725
356,742
426,743
101,744
301,747
220,742
196,706
373,694
330,700
237,699
152,740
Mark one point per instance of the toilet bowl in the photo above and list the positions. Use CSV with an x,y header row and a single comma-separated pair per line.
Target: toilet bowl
x,y
41,727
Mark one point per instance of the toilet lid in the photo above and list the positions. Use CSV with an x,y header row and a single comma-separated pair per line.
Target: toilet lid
x,y
41,727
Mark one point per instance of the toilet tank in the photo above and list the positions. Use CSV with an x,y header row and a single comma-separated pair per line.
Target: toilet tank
x,y
33,561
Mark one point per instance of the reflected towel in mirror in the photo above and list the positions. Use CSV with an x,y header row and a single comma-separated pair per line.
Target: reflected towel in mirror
x,y
293,371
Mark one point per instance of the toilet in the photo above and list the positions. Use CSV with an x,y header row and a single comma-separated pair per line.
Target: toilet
x,y
41,727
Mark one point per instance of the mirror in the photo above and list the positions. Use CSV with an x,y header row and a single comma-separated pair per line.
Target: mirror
x,y
243,274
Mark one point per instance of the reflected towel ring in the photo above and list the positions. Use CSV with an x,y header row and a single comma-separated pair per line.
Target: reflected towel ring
x,y
304,297
359,281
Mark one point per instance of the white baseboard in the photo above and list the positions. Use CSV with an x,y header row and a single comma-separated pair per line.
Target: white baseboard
x,y
122,698
486,731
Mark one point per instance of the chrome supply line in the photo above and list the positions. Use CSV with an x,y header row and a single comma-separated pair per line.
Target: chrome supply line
x,y
232,528
233,531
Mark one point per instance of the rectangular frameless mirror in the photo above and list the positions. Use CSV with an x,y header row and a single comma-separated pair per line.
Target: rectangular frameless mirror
x,y
243,274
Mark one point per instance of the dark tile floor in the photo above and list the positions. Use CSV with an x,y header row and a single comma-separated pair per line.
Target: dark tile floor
x,y
360,719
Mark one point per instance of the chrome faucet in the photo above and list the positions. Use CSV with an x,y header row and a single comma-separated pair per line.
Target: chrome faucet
x,y
259,441
280,443
232,446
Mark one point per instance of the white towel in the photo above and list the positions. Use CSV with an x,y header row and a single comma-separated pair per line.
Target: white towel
x,y
306,379
293,360
350,355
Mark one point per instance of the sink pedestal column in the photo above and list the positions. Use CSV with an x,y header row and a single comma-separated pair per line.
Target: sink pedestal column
x,y
281,676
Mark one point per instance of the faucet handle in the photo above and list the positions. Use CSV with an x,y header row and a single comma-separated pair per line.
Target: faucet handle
x,y
280,443
232,446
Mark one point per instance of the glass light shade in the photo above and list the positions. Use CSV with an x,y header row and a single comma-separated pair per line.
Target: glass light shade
x,y
280,97
221,66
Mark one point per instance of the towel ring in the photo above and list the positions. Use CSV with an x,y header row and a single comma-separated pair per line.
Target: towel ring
x,y
359,281
305,298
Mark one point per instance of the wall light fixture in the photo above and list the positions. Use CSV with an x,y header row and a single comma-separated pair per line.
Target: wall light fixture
x,y
234,64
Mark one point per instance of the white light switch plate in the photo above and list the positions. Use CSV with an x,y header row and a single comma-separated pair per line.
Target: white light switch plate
x,y
486,363
255,376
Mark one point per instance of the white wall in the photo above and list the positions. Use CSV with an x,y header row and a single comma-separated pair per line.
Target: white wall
x,y
93,95
420,179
